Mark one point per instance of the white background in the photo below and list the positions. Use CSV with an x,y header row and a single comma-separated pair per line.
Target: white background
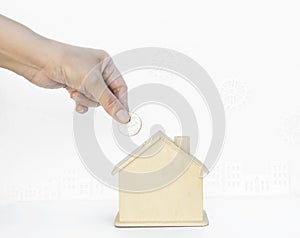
x,y
250,49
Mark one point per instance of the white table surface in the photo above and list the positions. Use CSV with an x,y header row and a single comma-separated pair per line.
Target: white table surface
x,y
229,217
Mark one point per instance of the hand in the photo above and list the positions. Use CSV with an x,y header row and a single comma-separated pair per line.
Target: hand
x,y
90,77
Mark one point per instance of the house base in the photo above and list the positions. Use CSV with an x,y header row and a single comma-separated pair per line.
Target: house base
x,y
119,223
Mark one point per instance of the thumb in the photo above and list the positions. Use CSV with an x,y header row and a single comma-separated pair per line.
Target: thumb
x,y
96,87
113,106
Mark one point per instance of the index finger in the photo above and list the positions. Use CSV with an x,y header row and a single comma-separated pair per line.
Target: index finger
x,y
115,82
119,88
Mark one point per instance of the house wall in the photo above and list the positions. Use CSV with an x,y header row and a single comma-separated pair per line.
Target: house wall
x,y
180,201
156,157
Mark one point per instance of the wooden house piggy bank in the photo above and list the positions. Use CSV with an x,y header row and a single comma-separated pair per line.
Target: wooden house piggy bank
x,y
178,203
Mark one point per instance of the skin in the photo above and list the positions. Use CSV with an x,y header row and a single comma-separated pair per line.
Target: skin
x,y
89,75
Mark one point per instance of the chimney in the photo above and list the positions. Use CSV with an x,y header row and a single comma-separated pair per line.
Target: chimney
x,y
183,142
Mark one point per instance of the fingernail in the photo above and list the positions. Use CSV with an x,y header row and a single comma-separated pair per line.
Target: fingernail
x,y
80,110
73,94
123,116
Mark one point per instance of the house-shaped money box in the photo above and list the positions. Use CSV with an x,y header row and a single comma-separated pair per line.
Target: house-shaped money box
x,y
169,188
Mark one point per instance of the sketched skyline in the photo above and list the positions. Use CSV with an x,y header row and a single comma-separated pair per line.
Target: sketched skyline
x,y
225,180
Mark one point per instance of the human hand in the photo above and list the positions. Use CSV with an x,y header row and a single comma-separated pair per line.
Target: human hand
x,y
90,77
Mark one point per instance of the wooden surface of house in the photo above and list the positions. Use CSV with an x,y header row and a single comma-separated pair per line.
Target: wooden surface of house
x,y
177,203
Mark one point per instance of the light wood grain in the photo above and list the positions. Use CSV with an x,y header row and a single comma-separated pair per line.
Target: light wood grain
x,y
179,203
119,223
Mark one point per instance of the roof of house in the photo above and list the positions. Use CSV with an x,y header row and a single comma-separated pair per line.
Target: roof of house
x,y
149,143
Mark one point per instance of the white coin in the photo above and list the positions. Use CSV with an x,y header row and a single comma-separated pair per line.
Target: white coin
x,y
132,127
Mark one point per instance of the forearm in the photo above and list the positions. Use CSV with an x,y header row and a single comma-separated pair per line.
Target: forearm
x,y
88,74
22,50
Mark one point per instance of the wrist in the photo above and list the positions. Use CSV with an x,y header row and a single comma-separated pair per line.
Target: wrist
x,y
22,50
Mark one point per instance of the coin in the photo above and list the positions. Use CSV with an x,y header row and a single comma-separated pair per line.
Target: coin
x,y
132,127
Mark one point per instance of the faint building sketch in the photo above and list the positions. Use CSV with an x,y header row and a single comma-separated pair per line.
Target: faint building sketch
x,y
233,93
233,175
75,183
257,185
72,184
280,177
214,183
228,179
291,129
